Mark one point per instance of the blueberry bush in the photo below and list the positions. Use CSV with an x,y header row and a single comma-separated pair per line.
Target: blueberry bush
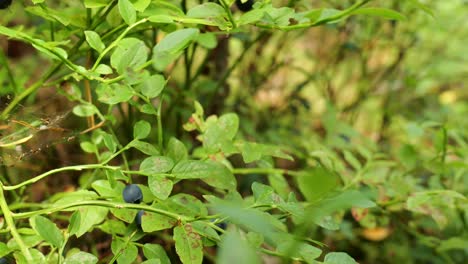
x,y
233,131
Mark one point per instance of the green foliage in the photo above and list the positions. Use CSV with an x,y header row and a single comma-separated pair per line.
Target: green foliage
x,y
250,134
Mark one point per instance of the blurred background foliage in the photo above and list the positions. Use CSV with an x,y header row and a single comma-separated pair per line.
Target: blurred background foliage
x,y
382,103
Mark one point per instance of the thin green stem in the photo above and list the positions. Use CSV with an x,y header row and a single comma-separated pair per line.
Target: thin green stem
x,y
8,216
108,204
70,168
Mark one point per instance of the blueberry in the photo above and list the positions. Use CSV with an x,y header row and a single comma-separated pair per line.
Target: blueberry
x,y
138,217
132,194
3,260
222,225
4,4
244,7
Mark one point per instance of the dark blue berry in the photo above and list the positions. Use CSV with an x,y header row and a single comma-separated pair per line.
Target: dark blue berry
x,y
222,225
244,7
138,217
4,4
132,194
3,260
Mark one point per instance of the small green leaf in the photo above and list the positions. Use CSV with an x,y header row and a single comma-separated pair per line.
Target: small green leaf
x,y
104,69
151,222
130,54
84,110
127,11
176,150
90,216
124,214
206,10
145,147
188,244
232,246
152,86
47,230
126,252
141,5
114,93
264,194
339,258
380,12
316,183
104,188
156,251
88,147
110,142
297,249
170,47
81,258
4,250
197,169
156,164
160,186
94,41
141,129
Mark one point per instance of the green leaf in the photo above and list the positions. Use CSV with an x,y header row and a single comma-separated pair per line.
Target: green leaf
x,y
127,11
255,151
188,244
170,47
380,12
252,219
435,204
452,243
345,200
81,258
152,86
156,251
204,229
110,142
207,40
151,222
232,246
160,186
131,53
47,230
145,147
176,150
124,214
141,5
206,10
338,258
113,227
114,93
104,188
264,194
298,249
104,69
84,110
89,217
220,133
317,183
156,164
88,147
94,41
4,250
197,169
141,129
126,252
95,3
